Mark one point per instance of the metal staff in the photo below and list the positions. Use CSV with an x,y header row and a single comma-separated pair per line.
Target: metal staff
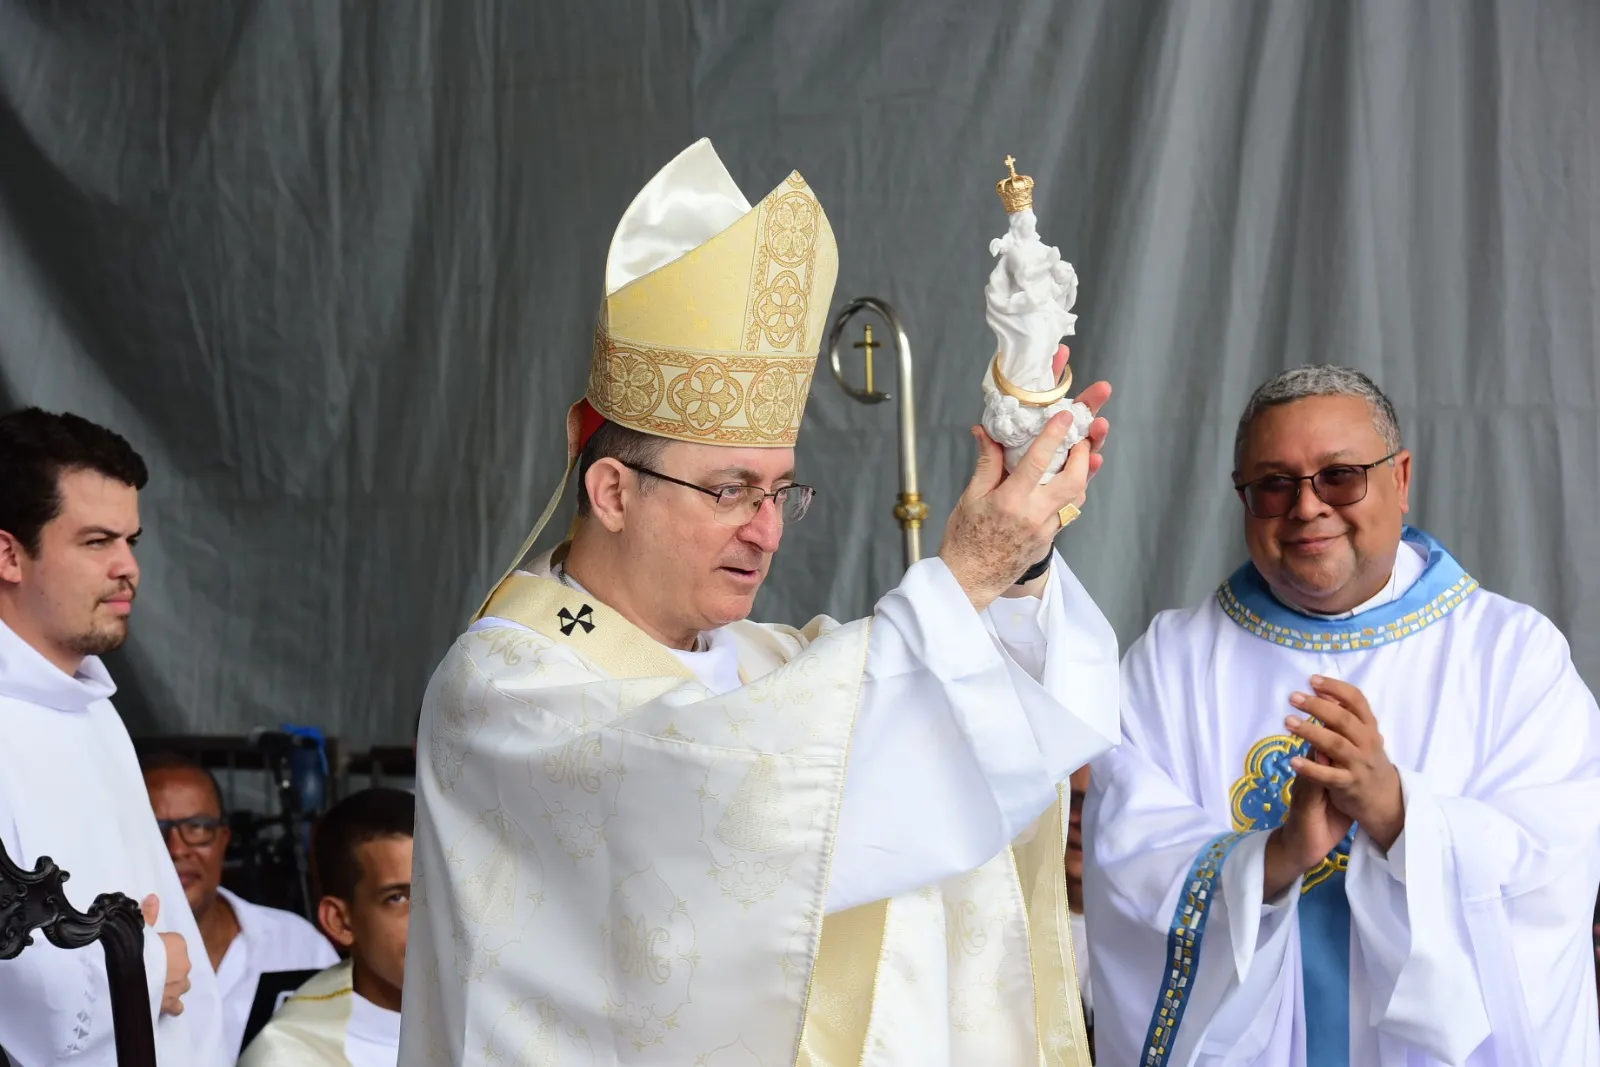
x,y
910,508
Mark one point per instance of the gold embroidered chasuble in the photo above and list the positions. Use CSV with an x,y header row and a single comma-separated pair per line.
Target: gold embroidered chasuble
x,y
309,1028
615,866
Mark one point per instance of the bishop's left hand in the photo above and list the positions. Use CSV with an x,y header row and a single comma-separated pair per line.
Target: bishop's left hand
x,y
1351,763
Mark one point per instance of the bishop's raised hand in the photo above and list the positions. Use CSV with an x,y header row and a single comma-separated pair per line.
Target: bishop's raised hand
x,y
1003,524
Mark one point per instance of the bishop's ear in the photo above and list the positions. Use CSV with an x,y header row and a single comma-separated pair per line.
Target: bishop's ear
x,y
333,915
605,481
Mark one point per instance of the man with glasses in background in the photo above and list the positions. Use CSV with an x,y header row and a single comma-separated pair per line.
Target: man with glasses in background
x,y
634,810
243,940
1354,816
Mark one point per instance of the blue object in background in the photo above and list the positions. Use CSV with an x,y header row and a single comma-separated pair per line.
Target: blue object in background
x,y
308,764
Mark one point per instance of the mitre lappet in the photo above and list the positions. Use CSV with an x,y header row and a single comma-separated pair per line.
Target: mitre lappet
x,y
1028,304
713,314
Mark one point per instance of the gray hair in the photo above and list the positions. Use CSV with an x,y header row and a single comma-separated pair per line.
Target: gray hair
x,y
1320,379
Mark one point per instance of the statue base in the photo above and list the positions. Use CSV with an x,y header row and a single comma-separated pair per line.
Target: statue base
x,y
1016,426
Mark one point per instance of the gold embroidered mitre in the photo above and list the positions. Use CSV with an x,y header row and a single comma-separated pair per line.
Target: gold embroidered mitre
x,y
714,310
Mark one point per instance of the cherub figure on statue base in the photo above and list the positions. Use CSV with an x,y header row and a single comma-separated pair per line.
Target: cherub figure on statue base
x,y
1028,304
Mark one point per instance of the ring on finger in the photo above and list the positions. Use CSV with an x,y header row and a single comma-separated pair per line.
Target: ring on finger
x,y
1068,515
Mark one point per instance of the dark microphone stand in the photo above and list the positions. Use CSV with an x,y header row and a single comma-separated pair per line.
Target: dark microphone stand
x,y
279,748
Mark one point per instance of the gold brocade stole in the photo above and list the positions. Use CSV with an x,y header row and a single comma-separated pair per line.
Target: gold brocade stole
x,y
1057,998
839,997
843,984
594,631
843,981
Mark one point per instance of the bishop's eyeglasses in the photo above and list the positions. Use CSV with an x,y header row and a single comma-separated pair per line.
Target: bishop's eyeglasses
x,y
736,505
1338,486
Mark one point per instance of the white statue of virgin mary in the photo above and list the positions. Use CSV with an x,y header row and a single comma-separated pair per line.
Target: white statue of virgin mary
x,y
1028,304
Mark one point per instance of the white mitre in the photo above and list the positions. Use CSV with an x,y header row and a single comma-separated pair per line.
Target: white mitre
x,y
712,316
687,203
714,310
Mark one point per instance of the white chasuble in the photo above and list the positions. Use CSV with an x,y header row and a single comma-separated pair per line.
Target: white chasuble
x,y
1467,943
616,864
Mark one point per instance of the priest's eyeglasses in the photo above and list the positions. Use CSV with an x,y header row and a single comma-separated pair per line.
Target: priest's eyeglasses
x,y
1338,486
197,831
736,505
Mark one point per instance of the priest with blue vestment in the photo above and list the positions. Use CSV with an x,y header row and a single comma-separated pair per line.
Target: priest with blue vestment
x,y
1355,818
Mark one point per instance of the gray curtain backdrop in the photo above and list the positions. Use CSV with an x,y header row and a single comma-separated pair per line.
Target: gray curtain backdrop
x,y
333,268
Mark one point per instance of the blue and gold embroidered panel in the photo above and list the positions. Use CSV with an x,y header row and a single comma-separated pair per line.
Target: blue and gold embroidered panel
x,y
1183,947
1260,800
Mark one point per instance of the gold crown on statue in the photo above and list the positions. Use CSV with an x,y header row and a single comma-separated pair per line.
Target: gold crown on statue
x,y
1016,192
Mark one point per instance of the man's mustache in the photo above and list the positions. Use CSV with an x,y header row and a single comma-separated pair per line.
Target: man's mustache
x,y
124,587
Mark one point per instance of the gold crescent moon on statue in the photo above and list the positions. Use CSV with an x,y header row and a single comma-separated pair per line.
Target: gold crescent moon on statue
x,y
1028,397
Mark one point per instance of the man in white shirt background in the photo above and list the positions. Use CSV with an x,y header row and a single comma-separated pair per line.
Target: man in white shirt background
x,y
242,940
69,780
350,1014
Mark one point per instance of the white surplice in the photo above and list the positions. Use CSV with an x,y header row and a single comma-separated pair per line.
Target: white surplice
x,y
963,730
1468,943
269,940
70,789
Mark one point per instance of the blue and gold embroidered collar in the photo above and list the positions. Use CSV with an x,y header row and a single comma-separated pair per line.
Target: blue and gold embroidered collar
x,y
1246,600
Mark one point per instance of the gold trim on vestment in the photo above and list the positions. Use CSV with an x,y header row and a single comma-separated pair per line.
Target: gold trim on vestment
x,y
843,981
1057,999
597,633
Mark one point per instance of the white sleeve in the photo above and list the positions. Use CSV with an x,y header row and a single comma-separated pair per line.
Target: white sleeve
x,y
959,742
1474,926
1164,876
1161,877
53,1002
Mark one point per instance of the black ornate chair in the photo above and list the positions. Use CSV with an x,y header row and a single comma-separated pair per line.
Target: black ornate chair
x,y
33,900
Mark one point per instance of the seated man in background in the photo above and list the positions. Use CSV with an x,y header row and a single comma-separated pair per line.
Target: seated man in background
x,y
350,1014
1355,817
244,940
69,779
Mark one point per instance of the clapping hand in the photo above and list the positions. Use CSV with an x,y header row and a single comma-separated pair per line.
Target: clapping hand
x,y
1353,766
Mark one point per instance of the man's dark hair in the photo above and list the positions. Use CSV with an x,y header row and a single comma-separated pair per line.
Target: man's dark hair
x,y
151,762
36,449
628,447
358,818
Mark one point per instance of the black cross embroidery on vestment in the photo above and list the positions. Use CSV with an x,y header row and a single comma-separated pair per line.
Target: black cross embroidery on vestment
x,y
584,618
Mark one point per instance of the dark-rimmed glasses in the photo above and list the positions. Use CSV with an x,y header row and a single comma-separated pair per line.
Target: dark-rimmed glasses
x,y
197,831
736,505
1338,486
